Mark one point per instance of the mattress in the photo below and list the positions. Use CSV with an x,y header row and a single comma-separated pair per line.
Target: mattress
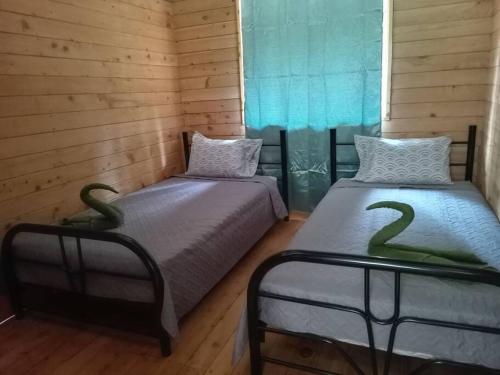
x,y
447,217
195,229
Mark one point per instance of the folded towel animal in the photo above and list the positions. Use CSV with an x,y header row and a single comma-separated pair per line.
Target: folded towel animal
x,y
378,245
111,216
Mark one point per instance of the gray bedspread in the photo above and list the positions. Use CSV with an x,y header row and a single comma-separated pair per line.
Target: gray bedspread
x,y
454,216
196,229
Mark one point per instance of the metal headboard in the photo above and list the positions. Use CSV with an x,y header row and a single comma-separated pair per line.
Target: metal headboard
x,y
469,163
283,162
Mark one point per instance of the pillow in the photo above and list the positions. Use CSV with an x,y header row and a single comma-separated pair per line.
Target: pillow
x,y
403,161
223,158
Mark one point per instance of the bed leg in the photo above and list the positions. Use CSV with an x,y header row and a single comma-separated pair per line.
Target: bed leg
x,y
390,348
255,338
371,343
255,356
14,290
254,327
165,344
15,301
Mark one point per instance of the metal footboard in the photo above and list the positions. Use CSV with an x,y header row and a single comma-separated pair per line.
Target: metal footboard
x,y
257,328
77,278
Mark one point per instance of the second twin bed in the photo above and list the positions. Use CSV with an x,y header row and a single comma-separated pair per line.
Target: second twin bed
x,y
327,288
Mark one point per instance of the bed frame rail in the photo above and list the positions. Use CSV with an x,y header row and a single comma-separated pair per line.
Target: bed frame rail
x,y
76,277
469,163
257,328
283,163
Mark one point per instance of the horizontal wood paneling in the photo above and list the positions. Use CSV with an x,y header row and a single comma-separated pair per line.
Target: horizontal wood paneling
x,y
29,45
33,143
436,124
441,78
89,92
437,12
43,66
441,109
207,44
206,31
213,118
217,105
438,63
188,6
216,94
126,11
209,67
152,5
450,29
439,94
416,4
26,24
205,17
11,106
226,54
72,13
44,161
442,46
220,130
37,85
209,82
440,67
48,123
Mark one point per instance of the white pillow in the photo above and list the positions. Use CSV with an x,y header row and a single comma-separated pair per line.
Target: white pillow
x,y
223,158
403,161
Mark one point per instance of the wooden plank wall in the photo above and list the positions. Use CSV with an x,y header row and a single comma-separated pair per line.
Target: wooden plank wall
x,y
207,38
440,68
89,92
490,152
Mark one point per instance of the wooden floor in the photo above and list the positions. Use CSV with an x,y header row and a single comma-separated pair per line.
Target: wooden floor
x,y
38,345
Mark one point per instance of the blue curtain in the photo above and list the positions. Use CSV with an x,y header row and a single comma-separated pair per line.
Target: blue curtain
x,y
311,65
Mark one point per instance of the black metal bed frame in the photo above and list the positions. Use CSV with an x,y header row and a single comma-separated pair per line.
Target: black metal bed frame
x,y
257,329
75,301
283,145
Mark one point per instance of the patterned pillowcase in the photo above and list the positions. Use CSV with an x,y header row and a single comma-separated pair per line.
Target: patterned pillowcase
x,y
364,147
408,161
223,158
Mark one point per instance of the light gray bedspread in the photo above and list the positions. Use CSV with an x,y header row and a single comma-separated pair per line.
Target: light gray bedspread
x,y
196,229
454,216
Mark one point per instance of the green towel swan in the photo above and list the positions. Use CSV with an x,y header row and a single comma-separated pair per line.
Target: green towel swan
x,y
111,216
378,245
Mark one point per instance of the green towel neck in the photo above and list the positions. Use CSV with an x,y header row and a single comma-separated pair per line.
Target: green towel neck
x,y
379,246
111,216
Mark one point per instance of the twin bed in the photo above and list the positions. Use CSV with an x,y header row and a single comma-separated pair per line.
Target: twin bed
x,y
180,237
326,288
